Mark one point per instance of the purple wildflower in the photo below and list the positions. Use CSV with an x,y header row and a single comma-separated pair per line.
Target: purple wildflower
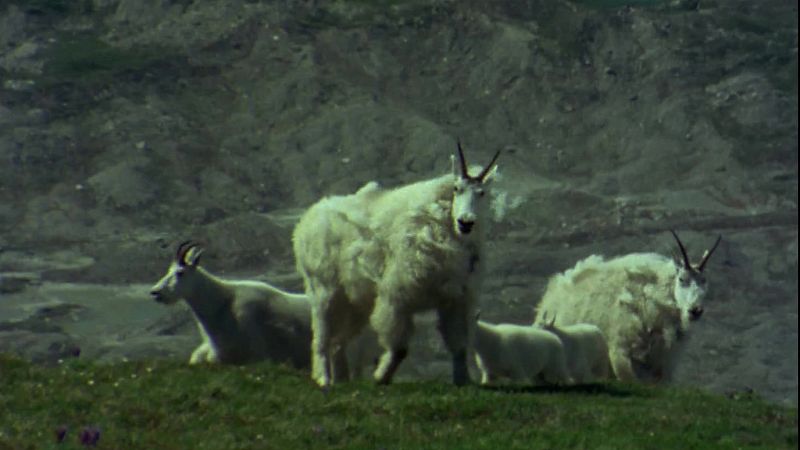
x,y
61,433
89,436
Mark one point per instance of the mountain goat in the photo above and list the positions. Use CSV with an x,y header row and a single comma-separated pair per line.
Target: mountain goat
x,y
643,303
243,321
519,352
586,350
382,255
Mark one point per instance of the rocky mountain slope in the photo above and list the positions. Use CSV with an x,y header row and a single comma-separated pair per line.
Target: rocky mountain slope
x,y
127,126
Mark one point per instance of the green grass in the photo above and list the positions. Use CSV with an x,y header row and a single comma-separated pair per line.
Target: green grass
x,y
168,405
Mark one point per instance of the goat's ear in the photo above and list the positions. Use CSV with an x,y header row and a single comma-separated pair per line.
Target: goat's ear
x,y
192,257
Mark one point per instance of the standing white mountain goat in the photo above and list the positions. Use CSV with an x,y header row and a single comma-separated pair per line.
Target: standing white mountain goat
x,y
643,303
243,321
586,350
519,353
381,255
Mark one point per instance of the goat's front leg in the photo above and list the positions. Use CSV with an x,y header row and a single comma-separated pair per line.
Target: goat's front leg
x,y
455,326
486,374
388,364
394,329
200,354
622,366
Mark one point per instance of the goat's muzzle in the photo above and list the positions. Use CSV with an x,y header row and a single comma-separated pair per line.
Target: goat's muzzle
x,y
696,312
465,226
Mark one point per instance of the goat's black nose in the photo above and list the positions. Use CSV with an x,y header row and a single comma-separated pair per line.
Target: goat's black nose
x,y
465,226
696,312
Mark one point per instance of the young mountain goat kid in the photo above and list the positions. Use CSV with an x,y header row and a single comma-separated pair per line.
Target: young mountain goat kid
x,y
643,303
519,353
586,350
382,255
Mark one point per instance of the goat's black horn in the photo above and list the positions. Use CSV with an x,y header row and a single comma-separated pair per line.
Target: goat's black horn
x,y
180,251
183,249
463,161
686,263
488,168
708,254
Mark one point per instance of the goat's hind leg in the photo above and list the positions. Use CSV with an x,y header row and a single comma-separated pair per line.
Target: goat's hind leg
x,y
350,325
340,369
321,341
557,373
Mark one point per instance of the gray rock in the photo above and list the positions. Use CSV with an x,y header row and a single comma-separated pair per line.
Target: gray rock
x,y
12,27
616,124
11,282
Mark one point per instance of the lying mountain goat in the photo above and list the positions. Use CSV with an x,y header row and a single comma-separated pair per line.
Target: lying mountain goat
x,y
643,303
586,350
242,321
520,353
382,255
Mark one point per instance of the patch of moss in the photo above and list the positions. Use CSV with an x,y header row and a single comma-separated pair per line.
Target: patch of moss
x,y
610,4
84,57
360,13
43,7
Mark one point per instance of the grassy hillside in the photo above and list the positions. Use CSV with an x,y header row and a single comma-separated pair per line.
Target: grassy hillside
x,y
167,405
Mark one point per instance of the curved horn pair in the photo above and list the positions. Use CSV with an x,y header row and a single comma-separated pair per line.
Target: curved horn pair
x,y
706,256
465,173
183,250
686,263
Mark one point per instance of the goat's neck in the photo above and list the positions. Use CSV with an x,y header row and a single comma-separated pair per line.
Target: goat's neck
x,y
211,301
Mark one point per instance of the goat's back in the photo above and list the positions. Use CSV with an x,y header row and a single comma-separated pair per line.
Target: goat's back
x,y
608,294
504,337
277,324
348,241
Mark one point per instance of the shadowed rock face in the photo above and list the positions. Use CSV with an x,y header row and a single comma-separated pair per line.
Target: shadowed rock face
x,y
128,127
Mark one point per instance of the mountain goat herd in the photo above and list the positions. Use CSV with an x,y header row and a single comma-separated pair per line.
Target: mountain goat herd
x,y
370,261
